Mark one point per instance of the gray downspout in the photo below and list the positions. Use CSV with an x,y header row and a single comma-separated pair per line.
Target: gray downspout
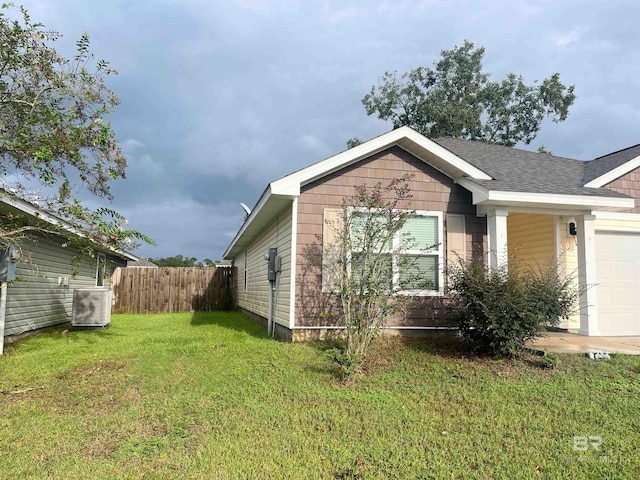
x,y
270,315
3,308
275,302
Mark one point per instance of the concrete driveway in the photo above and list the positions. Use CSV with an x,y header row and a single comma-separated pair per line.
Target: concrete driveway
x,y
565,342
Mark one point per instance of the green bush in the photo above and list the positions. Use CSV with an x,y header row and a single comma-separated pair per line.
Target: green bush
x,y
346,365
498,310
550,360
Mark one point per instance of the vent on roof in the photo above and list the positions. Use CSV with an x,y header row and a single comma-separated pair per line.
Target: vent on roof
x,y
91,307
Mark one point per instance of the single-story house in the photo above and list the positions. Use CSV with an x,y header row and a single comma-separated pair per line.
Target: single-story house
x,y
42,294
479,197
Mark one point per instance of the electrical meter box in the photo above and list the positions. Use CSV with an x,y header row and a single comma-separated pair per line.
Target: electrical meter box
x,y
8,261
271,259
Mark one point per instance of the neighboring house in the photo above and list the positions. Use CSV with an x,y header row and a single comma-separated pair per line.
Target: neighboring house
x,y
477,198
42,294
141,263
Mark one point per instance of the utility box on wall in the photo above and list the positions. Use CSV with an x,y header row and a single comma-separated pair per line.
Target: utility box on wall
x,y
271,259
8,261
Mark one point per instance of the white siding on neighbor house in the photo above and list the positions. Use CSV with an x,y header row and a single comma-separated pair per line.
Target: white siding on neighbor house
x,y
35,300
255,298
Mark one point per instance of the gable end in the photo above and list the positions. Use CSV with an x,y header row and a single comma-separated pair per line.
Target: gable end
x,y
614,174
628,184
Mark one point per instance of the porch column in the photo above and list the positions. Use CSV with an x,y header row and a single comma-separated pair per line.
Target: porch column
x,y
497,233
586,233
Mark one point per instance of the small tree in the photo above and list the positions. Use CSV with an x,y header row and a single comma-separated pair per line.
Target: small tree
x,y
498,310
54,137
373,279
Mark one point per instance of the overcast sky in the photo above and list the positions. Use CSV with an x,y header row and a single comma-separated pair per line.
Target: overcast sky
x,y
221,97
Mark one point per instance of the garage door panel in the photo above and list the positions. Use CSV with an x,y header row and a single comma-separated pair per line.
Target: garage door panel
x,y
618,288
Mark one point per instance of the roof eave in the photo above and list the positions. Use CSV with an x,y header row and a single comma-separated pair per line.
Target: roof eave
x,y
36,212
614,174
254,213
268,206
404,137
289,187
485,196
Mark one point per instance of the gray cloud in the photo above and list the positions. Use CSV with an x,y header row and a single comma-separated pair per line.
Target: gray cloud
x,y
218,98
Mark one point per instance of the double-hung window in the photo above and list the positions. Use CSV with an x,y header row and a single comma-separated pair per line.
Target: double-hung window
x,y
420,246
412,259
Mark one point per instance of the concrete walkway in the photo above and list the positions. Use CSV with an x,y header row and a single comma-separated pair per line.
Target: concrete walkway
x,y
565,342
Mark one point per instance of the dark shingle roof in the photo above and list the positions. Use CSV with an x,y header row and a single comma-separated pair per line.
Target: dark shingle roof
x,y
141,263
606,163
516,170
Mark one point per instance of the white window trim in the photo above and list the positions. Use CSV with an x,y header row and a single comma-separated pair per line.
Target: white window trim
x,y
439,252
101,268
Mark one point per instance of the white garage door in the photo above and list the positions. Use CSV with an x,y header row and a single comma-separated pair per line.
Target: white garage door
x,y
618,289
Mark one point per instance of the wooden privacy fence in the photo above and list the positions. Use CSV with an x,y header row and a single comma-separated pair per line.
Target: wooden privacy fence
x,y
183,289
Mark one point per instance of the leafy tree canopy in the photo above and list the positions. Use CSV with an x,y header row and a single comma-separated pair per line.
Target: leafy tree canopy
x,y
180,261
457,99
53,132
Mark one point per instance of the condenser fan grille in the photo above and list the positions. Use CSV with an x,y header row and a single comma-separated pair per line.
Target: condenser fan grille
x,y
91,307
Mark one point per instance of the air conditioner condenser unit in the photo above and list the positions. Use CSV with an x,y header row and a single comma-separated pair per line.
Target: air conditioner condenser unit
x,y
91,307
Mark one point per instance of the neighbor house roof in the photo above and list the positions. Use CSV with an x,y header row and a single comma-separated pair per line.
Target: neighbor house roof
x,y
141,263
34,211
496,175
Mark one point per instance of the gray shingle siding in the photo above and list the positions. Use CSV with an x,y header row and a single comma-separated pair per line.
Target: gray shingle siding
x,y
36,300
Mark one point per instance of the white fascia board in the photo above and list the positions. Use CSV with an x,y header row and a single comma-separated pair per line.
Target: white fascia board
x,y
560,199
480,193
627,217
291,184
484,209
254,213
611,175
438,150
36,212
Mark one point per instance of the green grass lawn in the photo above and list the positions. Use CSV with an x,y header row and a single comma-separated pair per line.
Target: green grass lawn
x,y
208,395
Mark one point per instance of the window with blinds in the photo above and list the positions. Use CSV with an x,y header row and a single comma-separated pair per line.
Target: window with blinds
x,y
413,256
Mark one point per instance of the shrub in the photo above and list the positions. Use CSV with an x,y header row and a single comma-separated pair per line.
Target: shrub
x,y
498,310
550,360
347,365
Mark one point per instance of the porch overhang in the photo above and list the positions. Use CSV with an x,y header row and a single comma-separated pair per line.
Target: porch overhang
x,y
482,196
